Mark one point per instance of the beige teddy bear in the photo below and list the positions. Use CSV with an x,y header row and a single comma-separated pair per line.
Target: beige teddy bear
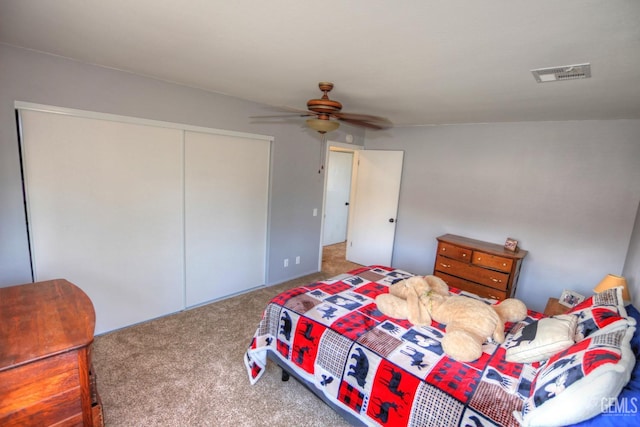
x,y
403,299
469,321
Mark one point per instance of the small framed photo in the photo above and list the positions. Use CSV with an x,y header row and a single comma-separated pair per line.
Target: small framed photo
x,y
570,299
511,244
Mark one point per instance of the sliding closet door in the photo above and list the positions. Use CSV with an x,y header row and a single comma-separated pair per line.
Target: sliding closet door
x,y
105,210
226,204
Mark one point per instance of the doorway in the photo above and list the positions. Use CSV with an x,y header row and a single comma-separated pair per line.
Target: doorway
x,y
373,197
337,197
337,205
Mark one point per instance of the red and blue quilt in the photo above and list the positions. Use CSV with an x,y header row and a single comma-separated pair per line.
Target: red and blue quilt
x,y
382,370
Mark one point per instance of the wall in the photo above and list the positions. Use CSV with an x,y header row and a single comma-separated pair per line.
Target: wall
x,y
568,191
296,186
632,265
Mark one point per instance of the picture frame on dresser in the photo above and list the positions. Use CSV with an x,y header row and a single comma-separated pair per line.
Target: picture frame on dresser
x,y
511,244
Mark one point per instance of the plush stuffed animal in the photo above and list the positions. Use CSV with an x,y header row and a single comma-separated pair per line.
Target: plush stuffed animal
x,y
469,322
403,299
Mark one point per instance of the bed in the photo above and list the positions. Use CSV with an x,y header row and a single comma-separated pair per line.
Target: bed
x,y
376,370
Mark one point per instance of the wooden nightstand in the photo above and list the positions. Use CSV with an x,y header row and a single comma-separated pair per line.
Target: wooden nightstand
x,y
554,308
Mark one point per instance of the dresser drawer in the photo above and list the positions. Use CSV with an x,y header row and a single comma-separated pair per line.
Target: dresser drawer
x,y
456,252
492,261
43,392
474,288
474,273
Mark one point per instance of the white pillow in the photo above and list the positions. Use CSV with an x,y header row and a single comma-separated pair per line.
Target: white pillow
x,y
542,339
598,312
580,382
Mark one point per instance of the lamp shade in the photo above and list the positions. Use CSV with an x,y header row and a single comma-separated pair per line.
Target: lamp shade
x,y
612,281
323,126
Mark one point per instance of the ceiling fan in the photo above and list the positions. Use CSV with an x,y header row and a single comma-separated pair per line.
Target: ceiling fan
x,y
327,114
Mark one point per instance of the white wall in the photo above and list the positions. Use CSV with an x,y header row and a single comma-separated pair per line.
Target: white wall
x,y
296,186
568,191
632,265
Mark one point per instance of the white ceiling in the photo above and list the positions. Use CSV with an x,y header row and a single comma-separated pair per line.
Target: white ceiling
x,y
416,62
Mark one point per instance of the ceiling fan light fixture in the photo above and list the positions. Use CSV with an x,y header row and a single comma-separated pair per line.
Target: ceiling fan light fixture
x,y
323,126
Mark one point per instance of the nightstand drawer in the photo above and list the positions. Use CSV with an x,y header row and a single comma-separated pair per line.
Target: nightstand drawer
x,y
492,261
455,252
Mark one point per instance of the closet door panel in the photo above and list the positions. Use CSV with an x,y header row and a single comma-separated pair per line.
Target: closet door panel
x,y
105,209
226,202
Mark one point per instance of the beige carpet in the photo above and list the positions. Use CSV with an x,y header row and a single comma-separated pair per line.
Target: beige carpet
x,y
187,369
334,260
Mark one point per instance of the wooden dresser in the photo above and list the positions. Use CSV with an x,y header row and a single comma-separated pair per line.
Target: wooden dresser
x,y
46,332
485,269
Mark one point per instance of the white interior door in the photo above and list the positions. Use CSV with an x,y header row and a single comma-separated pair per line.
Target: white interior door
x,y
105,212
226,205
337,199
372,225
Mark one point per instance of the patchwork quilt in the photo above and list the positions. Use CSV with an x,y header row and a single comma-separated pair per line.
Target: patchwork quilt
x,y
383,370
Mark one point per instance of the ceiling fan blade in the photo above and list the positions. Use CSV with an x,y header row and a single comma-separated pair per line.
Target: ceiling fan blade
x,y
286,109
370,125
364,117
301,114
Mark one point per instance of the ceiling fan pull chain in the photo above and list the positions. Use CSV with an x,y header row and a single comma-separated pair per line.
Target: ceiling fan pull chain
x,y
322,151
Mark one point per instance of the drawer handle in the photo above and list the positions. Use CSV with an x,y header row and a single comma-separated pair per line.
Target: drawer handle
x,y
443,249
496,280
445,265
479,258
464,255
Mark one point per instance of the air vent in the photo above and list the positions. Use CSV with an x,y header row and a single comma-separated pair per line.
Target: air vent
x,y
565,72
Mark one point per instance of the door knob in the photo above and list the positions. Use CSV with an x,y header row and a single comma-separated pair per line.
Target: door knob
x,y
391,220
346,204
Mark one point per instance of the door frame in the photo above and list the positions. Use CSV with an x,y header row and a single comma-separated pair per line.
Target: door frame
x,y
346,148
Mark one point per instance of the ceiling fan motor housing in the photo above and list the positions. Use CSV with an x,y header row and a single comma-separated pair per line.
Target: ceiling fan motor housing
x,y
324,104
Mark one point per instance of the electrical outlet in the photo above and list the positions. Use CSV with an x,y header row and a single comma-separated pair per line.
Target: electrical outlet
x,y
298,259
286,262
